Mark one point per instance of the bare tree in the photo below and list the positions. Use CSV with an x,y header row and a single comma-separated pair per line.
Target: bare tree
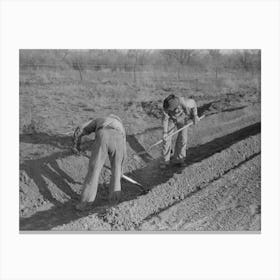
x,y
216,60
137,56
66,52
245,59
78,66
180,57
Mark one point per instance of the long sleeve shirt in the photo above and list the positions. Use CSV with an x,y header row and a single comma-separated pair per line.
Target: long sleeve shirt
x,y
91,126
189,111
111,121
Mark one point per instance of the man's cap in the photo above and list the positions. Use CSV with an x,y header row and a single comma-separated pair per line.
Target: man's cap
x,y
171,102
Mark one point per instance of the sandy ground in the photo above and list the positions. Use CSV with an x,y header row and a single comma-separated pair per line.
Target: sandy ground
x,y
231,202
219,190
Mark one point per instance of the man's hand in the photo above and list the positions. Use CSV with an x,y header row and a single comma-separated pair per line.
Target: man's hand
x,y
196,120
164,136
77,141
76,151
77,133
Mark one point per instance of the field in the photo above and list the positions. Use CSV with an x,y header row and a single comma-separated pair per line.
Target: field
x,y
219,190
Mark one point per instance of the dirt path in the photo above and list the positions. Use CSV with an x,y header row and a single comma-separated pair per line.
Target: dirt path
x,y
206,170
231,203
129,215
50,185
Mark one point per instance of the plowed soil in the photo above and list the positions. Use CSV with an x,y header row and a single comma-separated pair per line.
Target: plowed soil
x,y
218,190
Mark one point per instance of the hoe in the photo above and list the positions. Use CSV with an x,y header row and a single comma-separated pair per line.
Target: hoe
x,y
144,190
168,136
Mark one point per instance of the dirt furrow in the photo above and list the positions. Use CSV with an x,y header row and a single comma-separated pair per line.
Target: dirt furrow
x,y
52,182
129,214
211,127
229,203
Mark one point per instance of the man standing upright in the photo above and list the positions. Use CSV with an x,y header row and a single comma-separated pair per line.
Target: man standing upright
x,y
109,141
176,113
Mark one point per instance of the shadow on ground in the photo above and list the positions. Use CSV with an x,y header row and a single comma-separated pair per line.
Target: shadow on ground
x,y
58,141
149,176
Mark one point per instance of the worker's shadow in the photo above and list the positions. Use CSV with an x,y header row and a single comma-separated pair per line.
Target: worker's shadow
x,y
46,169
58,141
46,172
47,175
149,176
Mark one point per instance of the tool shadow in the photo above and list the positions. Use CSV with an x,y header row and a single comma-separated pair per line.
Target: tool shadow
x,y
149,176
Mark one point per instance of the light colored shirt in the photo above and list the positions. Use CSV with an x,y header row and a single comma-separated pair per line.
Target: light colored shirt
x,y
112,121
189,111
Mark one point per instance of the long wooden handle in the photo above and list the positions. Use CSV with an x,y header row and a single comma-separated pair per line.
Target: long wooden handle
x,y
168,136
126,177
175,132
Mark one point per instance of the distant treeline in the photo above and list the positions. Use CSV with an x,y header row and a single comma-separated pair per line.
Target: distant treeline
x,y
143,60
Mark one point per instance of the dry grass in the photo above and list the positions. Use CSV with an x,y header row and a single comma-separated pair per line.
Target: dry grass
x,y
57,99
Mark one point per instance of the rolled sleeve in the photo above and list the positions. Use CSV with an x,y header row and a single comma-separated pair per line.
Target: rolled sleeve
x,y
88,127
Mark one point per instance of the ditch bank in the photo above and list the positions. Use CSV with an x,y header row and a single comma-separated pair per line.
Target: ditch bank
x,y
128,215
230,203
